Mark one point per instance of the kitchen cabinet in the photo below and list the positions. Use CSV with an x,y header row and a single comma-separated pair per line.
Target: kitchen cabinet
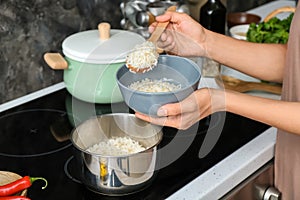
x,y
258,186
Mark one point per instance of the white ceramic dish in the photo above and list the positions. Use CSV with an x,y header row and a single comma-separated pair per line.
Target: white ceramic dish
x,y
239,31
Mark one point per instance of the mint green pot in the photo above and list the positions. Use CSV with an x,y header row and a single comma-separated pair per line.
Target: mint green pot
x,y
94,62
95,83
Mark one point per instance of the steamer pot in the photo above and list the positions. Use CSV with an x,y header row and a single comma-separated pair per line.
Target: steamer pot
x,y
116,175
91,60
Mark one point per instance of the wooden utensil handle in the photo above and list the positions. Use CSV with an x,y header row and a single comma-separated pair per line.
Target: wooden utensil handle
x,y
160,27
151,18
55,61
276,89
279,10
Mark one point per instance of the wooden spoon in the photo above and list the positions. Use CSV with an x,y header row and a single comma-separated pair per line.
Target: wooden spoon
x,y
160,27
153,38
238,85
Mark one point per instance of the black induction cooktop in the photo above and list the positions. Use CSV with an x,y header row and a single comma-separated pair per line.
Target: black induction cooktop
x,y
34,141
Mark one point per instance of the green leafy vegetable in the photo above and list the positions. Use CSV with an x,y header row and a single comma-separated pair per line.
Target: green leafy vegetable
x,y
272,31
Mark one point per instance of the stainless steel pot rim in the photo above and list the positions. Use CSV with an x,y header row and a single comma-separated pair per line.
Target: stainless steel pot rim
x,y
118,156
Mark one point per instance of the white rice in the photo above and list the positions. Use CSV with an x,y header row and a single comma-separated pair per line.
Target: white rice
x,y
148,85
143,56
117,146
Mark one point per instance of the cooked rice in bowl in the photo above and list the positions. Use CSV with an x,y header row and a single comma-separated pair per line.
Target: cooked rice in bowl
x,y
153,85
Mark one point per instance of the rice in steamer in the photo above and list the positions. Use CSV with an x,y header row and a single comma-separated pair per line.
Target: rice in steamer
x,y
121,174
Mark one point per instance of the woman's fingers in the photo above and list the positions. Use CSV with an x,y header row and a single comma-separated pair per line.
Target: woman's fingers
x,y
171,121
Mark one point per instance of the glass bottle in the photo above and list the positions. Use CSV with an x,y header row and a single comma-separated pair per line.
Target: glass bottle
x,y
212,17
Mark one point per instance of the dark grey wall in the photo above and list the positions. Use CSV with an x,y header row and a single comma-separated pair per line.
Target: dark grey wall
x,y
243,5
29,28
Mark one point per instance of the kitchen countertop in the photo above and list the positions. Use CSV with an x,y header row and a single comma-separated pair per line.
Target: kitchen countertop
x,y
227,174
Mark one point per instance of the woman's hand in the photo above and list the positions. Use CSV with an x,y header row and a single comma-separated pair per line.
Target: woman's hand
x,y
184,36
184,114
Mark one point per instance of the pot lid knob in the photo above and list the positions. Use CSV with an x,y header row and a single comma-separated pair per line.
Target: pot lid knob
x,y
104,30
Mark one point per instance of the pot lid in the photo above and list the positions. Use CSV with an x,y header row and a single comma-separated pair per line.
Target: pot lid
x,y
93,46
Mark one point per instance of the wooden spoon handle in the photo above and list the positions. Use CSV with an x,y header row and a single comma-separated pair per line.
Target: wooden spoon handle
x,y
275,89
231,83
160,27
279,10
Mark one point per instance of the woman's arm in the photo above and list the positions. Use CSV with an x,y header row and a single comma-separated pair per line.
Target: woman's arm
x,y
186,37
264,61
280,114
203,102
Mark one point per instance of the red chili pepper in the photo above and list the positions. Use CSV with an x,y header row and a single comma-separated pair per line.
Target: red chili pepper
x,y
19,185
14,198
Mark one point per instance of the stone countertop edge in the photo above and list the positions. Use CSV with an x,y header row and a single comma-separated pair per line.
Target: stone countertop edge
x,y
29,97
227,174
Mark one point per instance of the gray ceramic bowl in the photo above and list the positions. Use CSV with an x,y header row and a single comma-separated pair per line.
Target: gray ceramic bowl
x,y
181,70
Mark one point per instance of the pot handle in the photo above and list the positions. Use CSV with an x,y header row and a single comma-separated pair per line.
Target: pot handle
x,y
104,30
55,61
127,180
